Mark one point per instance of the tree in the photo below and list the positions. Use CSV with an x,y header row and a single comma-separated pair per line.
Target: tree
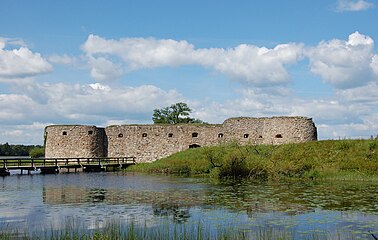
x,y
174,114
37,152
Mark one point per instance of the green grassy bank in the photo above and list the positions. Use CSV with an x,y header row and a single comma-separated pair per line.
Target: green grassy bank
x,y
331,159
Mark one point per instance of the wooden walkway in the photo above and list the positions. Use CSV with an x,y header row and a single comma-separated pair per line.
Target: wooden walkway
x,y
54,165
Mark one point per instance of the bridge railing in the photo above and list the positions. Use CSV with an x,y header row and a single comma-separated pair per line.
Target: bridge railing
x,y
23,162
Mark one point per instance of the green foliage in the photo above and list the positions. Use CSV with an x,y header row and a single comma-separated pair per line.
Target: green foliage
x,y
174,114
37,152
339,159
16,150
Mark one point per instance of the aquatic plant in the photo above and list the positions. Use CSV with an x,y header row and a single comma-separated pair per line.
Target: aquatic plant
x,y
115,230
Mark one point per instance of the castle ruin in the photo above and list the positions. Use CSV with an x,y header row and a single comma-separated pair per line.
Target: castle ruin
x,y
151,142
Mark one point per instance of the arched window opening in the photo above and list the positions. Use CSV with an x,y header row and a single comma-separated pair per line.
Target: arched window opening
x,y
194,134
120,135
220,135
279,136
246,135
194,146
170,135
64,133
144,135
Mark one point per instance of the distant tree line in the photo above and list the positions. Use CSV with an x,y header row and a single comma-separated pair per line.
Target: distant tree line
x,y
21,150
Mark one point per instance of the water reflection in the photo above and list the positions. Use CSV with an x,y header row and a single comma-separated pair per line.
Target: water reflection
x,y
34,201
177,213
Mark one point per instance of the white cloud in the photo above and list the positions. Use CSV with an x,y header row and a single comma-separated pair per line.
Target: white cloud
x,y
141,52
21,62
344,64
103,69
94,102
100,87
366,95
374,64
63,59
257,65
353,5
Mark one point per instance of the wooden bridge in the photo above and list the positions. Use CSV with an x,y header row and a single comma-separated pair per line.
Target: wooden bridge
x,y
54,165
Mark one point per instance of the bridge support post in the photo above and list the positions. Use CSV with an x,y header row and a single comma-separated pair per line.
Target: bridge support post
x,y
4,172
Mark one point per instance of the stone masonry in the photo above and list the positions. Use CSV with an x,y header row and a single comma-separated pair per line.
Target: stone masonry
x,y
151,142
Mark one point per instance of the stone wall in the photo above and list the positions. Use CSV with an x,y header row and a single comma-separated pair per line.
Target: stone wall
x,y
151,142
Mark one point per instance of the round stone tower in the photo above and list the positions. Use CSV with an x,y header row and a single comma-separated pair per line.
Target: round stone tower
x,y
75,141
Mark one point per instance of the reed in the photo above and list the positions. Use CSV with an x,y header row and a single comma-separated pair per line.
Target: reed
x,y
166,231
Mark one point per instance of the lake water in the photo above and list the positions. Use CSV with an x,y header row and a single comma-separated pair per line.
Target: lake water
x,y
37,203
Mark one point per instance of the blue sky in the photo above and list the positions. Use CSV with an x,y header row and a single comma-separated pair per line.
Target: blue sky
x,y
113,62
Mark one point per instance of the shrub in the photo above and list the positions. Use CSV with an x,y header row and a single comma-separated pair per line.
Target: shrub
x,y
234,166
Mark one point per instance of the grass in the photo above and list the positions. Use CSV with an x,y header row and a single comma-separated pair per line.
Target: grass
x,y
331,159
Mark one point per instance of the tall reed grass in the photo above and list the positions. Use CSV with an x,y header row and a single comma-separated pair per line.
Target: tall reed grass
x,y
166,231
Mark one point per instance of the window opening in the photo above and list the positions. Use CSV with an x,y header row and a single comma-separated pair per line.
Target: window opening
x,y
120,135
194,146
279,136
246,135
144,135
194,134
220,135
170,135
90,132
64,133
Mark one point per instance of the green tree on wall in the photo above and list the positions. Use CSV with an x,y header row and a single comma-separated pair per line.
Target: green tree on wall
x,y
174,114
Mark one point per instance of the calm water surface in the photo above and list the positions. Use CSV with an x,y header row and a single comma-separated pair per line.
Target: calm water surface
x,y
41,202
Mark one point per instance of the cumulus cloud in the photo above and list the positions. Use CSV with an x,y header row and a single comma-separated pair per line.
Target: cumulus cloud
x,y
374,64
366,95
103,69
82,102
345,64
63,59
21,62
353,5
256,65
141,52
252,64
